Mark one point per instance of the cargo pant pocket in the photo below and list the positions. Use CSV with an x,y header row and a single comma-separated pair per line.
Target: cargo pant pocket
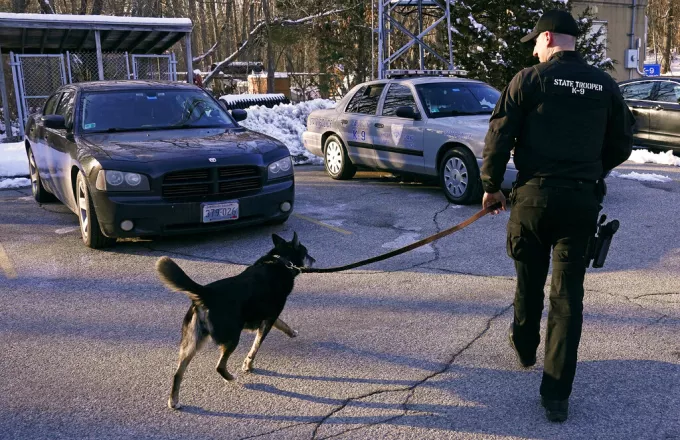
x,y
516,244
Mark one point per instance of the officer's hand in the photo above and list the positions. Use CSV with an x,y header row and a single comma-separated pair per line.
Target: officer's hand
x,y
492,198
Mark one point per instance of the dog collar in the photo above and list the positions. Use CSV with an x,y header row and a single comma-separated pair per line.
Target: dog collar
x,y
288,263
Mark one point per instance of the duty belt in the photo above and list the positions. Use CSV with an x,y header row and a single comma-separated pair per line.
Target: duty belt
x,y
557,182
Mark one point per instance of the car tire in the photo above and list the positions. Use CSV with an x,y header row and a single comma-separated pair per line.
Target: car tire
x,y
337,162
40,194
87,217
459,177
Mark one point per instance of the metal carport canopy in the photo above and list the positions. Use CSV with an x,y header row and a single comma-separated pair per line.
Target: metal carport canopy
x,y
57,33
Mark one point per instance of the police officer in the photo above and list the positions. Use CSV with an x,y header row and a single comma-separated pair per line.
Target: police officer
x,y
568,126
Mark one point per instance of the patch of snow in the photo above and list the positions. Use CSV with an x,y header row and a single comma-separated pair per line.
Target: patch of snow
x,y
286,123
13,160
14,183
645,156
642,177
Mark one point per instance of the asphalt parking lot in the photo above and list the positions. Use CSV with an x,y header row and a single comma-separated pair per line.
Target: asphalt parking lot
x,y
409,348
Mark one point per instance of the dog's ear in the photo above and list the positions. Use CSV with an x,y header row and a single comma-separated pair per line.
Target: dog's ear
x,y
277,240
296,241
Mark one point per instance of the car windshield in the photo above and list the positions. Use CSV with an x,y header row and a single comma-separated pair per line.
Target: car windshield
x,y
445,99
152,109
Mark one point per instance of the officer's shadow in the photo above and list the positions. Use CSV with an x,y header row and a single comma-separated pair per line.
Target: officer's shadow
x,y
611,399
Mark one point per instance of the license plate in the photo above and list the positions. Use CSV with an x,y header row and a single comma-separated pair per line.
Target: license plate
x,y
218,212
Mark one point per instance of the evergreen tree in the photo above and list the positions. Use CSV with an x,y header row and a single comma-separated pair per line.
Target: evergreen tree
x,y
486,37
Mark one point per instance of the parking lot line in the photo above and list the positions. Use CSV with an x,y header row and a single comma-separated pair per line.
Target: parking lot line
x,y
317,222
6,264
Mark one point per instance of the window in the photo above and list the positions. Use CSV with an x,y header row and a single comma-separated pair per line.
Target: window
x,y
51,104
353,105
669,92
639,90
366,100
397,96
65,107
445,99
150,109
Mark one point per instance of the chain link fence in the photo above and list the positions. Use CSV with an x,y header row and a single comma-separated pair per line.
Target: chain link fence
x,y
157,67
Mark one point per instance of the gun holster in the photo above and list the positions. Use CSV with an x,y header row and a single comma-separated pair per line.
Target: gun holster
x,y
598,245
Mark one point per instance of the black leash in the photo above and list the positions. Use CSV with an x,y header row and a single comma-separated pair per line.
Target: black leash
x,y
411,246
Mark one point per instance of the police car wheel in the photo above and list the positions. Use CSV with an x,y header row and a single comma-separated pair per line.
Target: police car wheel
x,y
459,177
336,160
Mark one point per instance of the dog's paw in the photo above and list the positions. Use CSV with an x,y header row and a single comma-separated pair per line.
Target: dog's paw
x,y
247,367
293,334
173,404
228,377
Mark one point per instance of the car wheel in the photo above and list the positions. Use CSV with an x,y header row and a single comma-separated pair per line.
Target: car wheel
x,y
87,217
337,162
40,194
459,177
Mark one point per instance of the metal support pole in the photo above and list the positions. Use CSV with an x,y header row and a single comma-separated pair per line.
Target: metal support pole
x,y
420,31
100,61
188,55
381,39
448,28
16,73
5,103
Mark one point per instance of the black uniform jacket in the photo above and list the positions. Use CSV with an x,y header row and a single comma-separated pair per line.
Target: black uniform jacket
x,y
564,118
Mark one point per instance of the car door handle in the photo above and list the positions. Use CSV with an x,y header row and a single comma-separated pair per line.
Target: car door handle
x,y
343,121
378,125
658,107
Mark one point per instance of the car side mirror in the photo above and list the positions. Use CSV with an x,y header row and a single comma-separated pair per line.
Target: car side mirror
x,y
239,114
56,122
407,112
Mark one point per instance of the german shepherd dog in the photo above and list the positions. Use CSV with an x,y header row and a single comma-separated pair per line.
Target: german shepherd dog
x,y
251,300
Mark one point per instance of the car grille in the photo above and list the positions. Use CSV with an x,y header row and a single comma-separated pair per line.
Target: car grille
x,y
211,181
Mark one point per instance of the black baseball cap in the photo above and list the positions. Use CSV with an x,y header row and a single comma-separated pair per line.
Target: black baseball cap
x,y
560,22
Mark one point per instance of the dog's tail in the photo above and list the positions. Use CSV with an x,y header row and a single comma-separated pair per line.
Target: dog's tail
x,y
174,278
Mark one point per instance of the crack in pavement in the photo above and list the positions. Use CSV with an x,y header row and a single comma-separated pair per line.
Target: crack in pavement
x,y
410,388
655,294
276,430
661,317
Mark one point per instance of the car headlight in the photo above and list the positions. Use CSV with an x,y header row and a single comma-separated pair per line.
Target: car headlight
x,y
280,168
109,180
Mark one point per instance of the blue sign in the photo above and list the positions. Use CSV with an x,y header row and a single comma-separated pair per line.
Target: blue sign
x,y
652,69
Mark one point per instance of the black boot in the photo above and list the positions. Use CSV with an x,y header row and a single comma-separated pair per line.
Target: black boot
x,y
555,410
526,363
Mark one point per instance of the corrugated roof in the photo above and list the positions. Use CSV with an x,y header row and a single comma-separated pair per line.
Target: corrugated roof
x,y
56,33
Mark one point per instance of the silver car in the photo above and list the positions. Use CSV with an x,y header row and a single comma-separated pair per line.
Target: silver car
x,y
425,126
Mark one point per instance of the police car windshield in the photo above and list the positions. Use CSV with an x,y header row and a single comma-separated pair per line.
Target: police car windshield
x,y
152,109
446,99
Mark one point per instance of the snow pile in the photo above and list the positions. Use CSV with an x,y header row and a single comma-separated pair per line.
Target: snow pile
x,y
14,183
644,156
13,160
644,177
286,123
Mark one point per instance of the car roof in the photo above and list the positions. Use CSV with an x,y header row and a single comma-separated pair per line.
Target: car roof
x,y
423,80
651,78
129,85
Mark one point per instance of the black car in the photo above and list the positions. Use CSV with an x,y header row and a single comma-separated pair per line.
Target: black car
x,y
138,158
655,102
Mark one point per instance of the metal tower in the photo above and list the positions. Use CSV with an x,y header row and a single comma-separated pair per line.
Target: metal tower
x,y
392,15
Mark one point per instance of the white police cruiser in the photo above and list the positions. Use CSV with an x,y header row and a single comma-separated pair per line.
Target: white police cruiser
x,y
413,123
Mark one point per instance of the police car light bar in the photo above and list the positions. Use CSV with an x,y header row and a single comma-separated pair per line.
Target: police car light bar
x,y
401,73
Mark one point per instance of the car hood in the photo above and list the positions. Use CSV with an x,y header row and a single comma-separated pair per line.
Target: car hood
x,y
477,123
172,144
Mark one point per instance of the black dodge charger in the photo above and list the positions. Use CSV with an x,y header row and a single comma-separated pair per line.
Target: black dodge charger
x,y
139,158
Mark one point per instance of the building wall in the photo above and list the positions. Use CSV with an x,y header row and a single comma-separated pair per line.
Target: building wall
x,y
618,15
